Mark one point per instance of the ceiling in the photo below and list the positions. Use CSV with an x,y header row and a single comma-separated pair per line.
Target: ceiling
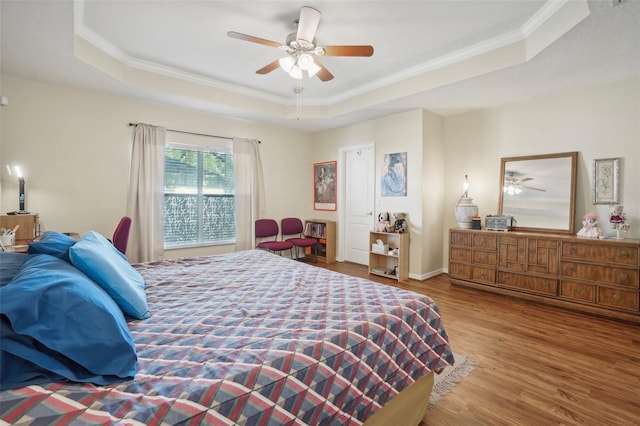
x,y
445,56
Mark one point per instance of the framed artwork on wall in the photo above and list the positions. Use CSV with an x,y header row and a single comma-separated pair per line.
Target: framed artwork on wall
x,y
606,181
324,185
394,175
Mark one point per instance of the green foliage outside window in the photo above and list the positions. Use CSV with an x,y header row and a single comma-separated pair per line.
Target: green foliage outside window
x,y
199,203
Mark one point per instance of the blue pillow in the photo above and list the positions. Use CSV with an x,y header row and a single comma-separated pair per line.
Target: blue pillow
x,y
53,243
10,264
59,325
104,264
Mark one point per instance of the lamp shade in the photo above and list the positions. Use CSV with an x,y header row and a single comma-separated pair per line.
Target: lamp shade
x,y
305,61
286,63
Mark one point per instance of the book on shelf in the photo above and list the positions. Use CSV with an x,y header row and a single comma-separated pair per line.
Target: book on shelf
x,y
315,229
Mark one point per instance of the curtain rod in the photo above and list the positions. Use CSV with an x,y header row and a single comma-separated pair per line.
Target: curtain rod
x,y
192,133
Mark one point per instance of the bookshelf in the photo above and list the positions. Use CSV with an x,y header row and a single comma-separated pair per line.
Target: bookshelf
x,y
325,232
384,263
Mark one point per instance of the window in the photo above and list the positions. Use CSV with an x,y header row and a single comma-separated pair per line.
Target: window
x,y
199,207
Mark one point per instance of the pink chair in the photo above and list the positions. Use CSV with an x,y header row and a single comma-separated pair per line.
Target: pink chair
x,y
121,234
268,228
293,226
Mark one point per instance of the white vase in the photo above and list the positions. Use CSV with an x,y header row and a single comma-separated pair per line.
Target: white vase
x,y
465,210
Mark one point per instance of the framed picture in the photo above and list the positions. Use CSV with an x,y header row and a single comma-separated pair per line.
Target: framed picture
x,y
324,185
606,181
394,175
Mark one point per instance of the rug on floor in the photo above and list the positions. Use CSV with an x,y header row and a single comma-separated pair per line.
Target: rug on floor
x,y
451,376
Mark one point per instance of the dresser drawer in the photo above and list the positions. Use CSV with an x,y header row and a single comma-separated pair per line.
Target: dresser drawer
x,y
460,238
484,241
547,286
622,255
578,291
460,270
482,257
484,275
602,274
624,299
460,254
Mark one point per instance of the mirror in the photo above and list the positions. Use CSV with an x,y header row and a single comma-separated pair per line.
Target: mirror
x,y
539,191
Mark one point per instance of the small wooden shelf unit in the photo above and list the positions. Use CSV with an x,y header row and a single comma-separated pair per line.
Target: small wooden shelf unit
x,y
325,232
589,275
383,264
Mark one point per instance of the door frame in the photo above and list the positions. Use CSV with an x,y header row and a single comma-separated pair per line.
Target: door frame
x,y
342,199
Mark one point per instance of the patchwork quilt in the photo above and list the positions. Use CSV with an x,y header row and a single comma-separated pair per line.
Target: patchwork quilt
x,y
252,338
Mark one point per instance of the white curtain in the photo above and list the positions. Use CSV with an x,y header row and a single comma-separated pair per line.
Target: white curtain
x,y
249,190
146,193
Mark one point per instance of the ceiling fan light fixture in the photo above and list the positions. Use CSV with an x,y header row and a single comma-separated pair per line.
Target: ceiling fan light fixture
x,y
305,61
295,72
287,63
511,189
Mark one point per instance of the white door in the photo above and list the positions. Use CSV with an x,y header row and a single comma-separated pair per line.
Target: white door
x,y
359,203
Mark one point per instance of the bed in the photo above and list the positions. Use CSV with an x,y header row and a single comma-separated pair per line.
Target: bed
x,y
244,338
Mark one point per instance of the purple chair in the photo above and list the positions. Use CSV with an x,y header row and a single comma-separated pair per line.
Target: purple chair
x,y
293,226
267,228
121,234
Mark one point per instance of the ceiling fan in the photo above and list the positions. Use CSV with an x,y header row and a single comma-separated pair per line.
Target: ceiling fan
x,y
303,49
514,185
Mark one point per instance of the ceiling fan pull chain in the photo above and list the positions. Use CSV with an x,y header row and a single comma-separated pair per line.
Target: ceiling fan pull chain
x,y
298,91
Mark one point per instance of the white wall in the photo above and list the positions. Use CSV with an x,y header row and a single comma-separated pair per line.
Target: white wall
x,y
598,122
74,147
403,132
434,210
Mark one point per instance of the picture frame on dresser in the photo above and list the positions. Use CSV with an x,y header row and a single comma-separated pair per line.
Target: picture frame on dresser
x,y
606,181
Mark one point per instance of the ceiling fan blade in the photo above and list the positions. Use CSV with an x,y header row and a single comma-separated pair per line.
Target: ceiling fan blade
x,y
253,39
348,50
535,189
525,179
269,67
308,23
324,73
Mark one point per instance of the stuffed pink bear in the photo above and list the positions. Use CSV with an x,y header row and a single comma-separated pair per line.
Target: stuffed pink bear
x,y
589,227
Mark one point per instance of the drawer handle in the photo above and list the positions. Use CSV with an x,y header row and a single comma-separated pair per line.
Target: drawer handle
x,y
572,249
624,254
505,280
577,291
617,297
483,274
483,258
624,277
572,269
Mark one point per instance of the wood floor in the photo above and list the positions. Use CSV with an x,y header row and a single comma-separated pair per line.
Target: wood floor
x,y
539,365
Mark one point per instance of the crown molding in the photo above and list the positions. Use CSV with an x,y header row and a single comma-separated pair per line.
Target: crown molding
x,y
548,24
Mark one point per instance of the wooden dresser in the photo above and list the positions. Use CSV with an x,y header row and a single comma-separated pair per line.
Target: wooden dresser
x,y
29,226
600,277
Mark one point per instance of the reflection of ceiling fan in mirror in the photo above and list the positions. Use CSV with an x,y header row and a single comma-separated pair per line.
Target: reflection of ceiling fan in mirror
x,y
303,50
513,185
